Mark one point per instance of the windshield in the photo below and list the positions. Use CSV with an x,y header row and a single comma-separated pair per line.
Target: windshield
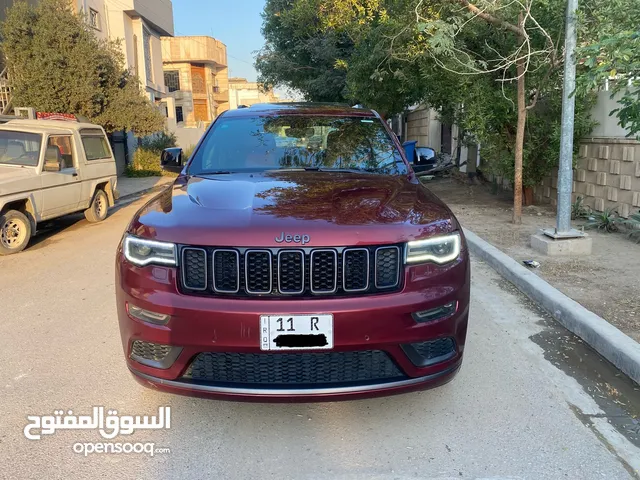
x,y
296,141
20,148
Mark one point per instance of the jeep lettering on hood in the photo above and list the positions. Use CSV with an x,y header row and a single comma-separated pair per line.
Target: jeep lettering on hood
x,y
303,239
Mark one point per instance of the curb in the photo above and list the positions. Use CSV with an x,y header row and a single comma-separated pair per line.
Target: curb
x,y
607,340
132,196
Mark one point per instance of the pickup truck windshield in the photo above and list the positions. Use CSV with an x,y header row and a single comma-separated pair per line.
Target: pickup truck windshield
x,y
20,148
296,141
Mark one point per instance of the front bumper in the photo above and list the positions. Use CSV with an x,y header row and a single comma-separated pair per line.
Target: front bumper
x,y
368,323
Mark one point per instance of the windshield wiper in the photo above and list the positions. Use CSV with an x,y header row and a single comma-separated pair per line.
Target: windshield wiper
x,y
213,172
326,169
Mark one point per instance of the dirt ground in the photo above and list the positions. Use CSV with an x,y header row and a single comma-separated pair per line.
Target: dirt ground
x,y
607,282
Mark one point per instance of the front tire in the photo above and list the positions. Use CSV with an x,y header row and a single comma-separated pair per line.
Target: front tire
x,y
15,232
99,207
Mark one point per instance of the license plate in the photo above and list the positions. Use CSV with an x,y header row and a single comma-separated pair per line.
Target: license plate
x,y
296,332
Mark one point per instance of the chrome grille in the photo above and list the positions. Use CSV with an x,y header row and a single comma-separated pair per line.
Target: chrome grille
x,y
324,271
291,272
355,274
246,272
387,267
258,271
194,274
226,271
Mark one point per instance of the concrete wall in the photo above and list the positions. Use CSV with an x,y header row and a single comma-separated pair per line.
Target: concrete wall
x,y
607,125
242,92
607,175
127,26
188,137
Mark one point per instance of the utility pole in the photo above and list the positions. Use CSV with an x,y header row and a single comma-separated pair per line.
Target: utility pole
x,y
564,240
565,170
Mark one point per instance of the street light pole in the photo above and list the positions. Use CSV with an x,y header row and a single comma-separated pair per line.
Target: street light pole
x,y
565,171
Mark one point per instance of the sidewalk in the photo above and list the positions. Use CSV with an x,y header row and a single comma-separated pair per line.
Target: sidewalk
x,y
604,282
130,186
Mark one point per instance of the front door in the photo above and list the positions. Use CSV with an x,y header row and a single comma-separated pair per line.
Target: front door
x,y
201,110
61,190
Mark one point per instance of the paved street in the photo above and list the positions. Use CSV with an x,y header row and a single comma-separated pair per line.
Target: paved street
x,y
531,402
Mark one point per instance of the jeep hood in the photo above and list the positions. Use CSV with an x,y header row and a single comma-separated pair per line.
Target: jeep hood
x,y
14,179
333,209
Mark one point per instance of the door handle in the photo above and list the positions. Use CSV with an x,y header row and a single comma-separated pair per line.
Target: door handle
x,y
74,174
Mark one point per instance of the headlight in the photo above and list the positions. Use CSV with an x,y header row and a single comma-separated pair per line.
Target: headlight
x,y
437,249
143,252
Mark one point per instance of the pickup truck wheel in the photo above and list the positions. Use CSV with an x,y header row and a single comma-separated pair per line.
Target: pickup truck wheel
x,y
99,207
15,232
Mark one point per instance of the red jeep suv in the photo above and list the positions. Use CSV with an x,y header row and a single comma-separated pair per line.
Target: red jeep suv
x,y
296,256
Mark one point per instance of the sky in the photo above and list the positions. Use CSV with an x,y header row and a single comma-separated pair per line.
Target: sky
x,y
236,23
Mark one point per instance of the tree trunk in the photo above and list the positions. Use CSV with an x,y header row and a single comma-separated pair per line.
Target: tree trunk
x,y
522,120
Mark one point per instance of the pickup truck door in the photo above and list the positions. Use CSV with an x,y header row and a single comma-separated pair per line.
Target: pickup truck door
x,y
61,190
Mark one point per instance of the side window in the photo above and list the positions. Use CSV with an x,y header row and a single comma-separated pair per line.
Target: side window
x,y
60,146
95,147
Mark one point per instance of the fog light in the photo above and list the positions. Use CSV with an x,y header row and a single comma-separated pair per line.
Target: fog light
x,y
435,313
147,316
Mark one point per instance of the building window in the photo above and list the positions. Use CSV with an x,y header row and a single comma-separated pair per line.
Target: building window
x,y
172,80
179,115
94,18
146,44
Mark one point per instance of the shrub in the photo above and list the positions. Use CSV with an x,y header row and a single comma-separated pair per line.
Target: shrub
x,y
632,226
579,209
188,152
146,163
158,142
606,221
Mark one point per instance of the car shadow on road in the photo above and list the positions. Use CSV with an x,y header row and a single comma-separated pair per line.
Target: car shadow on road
x,y
48,230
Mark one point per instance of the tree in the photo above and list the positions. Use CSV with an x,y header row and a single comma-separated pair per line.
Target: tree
x,y
57,64
613,53
299,55
462,59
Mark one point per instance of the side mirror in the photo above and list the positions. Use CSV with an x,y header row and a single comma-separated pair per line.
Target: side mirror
x,y
52,166
172,160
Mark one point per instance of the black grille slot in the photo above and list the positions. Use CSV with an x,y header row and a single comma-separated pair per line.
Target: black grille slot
x,y
258,271
293,369
226,271
324,271
435,348
387,267
291,272
431,352
355,270
149,351
194,268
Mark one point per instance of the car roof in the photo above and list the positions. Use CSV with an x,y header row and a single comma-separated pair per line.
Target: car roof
x,y
300,108
47,125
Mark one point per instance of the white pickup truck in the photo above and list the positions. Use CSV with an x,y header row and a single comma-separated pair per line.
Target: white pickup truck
x,y
48,169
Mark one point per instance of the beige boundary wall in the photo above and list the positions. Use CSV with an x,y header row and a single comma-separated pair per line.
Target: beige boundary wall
x,y
607,175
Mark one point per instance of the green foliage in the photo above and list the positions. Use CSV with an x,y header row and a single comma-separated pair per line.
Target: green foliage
x,y
158,142
579,209
300,56
613,52
146,163
377,53
606,221
57,64
632,226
